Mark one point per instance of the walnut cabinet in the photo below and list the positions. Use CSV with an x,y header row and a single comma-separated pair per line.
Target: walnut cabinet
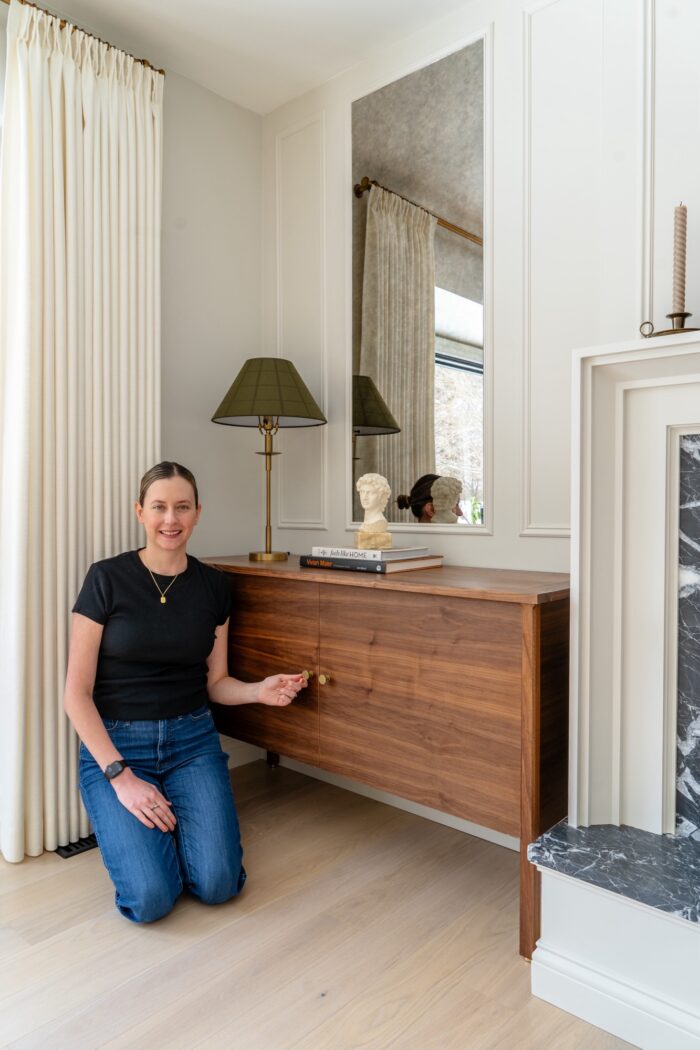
x,y
446,686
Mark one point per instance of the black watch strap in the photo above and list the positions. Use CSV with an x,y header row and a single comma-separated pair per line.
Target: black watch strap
x,y
115,768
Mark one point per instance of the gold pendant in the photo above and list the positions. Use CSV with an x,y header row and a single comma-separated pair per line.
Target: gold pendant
x,y
162,599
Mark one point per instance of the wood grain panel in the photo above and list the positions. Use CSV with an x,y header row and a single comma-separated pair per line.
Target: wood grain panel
x,y
530,778
274,627
424,700
545,663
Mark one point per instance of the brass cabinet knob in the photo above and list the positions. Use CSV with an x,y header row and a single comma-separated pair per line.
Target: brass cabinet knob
x,y
324,679
306,675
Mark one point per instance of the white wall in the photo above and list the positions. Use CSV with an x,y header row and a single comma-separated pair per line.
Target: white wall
x,y
211,302
584,102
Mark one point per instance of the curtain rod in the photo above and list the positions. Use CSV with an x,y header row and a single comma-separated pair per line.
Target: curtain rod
x,y
362,187
93,36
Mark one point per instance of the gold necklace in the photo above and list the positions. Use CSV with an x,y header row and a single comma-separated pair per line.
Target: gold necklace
x,y
162,594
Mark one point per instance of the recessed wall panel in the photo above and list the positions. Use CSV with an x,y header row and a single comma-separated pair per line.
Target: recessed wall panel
x,y
301,314
584,181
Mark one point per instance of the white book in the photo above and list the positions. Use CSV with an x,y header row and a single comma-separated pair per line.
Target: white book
x,y
383,554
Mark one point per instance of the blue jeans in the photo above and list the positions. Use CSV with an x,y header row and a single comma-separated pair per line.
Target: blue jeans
x,y
151,868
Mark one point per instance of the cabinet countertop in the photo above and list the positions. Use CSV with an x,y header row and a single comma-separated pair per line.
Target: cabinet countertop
x,y
452,581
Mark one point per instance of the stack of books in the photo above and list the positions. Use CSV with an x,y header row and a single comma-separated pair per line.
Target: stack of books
x,y
389,559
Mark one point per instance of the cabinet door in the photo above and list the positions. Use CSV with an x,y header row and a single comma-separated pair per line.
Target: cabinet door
x,y
424,699
274,628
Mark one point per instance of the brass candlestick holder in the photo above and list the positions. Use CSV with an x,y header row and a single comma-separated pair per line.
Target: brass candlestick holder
x,y
677,322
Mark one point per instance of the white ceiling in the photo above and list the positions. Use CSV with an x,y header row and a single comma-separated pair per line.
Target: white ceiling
x,y
258,53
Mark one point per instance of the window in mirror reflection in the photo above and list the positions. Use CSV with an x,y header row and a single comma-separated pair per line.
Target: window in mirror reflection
x,y
418,278
459,398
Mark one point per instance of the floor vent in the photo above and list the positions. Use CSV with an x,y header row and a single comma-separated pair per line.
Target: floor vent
x,y
74,848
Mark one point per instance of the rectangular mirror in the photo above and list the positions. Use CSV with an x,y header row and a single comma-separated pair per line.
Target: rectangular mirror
x,y
418,288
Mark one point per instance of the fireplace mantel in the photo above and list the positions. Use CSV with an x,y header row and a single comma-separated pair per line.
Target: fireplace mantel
x,y
631,404
620,893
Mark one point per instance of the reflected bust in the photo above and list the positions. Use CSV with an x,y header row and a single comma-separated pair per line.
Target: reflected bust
x,y
446,493
418,281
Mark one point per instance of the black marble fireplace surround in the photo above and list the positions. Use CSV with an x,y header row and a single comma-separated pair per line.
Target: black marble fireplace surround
x,y
662,871
688,754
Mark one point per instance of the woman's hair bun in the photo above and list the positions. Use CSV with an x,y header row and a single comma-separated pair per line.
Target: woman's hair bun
x,y
403,502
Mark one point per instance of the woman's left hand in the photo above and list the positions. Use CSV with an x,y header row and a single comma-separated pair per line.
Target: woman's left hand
x,y
280,689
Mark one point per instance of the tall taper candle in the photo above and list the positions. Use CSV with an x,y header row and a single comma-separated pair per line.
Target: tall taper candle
x,y
680,222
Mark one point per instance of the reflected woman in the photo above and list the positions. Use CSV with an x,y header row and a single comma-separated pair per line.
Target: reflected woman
x,y
421,499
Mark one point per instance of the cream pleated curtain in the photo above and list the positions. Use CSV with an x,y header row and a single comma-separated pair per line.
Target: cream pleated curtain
x,y
398,338
80,204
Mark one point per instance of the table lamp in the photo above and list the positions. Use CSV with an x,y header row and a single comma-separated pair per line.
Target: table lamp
x,y
268,393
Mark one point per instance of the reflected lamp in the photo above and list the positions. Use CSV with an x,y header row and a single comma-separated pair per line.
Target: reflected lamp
x,y
370,412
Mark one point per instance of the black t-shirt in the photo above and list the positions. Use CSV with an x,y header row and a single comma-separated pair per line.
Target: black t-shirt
x,y
152,659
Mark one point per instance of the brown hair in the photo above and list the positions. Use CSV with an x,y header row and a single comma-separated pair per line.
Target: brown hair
x,y
166,469
419,495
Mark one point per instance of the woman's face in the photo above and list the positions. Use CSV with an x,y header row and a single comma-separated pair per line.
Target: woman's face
x,y
168,513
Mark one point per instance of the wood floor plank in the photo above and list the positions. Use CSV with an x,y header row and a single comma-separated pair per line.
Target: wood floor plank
x,y
233,980
285,871
361,926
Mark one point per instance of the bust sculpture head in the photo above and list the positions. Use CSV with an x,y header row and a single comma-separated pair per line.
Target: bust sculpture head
x,y
445,494
374,493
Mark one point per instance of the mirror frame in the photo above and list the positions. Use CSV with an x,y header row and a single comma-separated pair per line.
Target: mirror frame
x,y
486,528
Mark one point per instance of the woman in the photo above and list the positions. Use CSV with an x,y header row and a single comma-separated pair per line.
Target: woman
x,y
148,650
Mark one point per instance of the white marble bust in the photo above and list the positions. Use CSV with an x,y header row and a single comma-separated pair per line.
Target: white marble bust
x,y
445,494
374,493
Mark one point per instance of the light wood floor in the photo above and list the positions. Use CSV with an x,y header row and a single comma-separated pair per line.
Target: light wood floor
x,y
360,926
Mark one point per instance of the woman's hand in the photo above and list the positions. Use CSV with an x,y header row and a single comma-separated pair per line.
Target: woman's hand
x,y
144,800
280,689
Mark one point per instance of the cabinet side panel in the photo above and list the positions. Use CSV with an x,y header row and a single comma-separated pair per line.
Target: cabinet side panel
x,y
274,628
554,713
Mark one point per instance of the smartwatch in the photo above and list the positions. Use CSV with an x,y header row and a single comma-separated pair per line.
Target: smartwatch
x,y
115,768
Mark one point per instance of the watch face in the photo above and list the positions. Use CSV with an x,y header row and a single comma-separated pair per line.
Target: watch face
x,y
114,769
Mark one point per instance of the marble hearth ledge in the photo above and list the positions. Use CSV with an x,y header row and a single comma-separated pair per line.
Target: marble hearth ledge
x,y
661,871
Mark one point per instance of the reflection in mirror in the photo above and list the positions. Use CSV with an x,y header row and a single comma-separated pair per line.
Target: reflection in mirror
x,y
417,153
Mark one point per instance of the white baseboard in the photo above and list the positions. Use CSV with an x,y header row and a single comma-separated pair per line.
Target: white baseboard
x,y
401,803
617,964
608,1003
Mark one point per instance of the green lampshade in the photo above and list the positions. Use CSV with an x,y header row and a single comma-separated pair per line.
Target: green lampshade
x,y
272,387
370,412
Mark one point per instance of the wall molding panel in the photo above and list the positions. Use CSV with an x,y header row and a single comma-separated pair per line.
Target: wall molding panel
x,y
300,210
649,161
582,194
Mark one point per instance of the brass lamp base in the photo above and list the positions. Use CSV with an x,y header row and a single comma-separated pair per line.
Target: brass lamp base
x,y
268,556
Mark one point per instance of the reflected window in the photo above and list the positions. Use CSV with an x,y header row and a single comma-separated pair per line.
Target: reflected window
x,y
459,398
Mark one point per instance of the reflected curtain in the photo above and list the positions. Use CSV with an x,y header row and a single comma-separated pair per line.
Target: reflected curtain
x,y
398,338
80,203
